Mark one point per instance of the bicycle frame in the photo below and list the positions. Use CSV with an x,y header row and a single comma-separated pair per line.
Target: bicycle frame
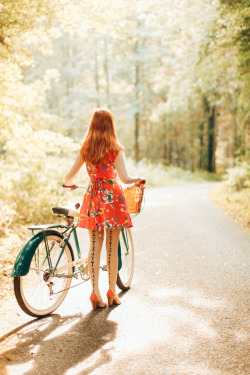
x,y
80,260
66,232
22,264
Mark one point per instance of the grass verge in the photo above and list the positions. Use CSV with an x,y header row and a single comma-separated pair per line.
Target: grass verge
x,y
10,245
234,203
161,175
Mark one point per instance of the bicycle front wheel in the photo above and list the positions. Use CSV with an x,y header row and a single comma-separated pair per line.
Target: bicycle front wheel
x,y
125,274
42,291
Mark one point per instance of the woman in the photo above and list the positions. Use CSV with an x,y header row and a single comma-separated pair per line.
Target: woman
x,y
104,205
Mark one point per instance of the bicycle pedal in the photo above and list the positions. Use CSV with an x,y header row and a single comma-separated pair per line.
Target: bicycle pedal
x,y
104,268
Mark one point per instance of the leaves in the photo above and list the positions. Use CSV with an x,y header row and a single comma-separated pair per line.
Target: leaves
x,y
160,66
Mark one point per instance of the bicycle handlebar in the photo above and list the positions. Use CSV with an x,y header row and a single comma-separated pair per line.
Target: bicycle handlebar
x,y
73,187
140,182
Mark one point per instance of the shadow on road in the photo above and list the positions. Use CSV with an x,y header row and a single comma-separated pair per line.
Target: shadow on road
x,y
54,344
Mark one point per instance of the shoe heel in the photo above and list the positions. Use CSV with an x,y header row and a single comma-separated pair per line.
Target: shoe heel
x,y
110,301
94,301
110,296
94,305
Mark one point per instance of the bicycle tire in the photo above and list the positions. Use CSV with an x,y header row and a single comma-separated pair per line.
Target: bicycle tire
x,y
22,284
125,274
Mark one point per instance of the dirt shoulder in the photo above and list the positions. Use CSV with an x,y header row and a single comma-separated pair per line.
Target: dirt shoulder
x,y
10,245
234,203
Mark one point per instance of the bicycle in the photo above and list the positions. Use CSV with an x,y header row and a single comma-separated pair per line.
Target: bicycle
x,y
46,264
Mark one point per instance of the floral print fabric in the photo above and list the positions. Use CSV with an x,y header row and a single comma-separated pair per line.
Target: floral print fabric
x,y
104,204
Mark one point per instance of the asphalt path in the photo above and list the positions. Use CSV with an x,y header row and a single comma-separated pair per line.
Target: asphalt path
x,y
187,311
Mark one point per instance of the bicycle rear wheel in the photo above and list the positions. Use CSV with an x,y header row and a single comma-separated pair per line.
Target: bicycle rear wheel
x,y
40,292
125,274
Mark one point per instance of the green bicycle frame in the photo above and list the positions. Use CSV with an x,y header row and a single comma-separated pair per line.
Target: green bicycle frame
x,y
23,261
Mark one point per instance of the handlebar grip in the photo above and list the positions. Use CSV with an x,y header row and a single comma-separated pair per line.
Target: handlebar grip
x,y
140,182
72,187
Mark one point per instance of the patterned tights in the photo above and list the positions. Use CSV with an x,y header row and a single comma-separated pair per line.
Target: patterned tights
x,y
96,241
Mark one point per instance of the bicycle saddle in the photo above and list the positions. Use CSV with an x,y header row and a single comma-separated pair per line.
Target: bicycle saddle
x,y
71,210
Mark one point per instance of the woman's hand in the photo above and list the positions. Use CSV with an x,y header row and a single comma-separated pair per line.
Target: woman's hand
x,y
141,181
70,184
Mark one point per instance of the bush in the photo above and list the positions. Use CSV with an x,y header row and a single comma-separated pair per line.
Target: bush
x,y
161,175
238,177
32,172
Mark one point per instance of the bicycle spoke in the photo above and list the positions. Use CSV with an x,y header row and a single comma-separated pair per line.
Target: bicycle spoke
x,y
41,290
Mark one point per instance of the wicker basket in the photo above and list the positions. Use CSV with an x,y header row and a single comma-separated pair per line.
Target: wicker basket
x,y
134,195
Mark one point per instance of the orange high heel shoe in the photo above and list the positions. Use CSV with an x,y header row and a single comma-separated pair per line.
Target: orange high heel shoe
x,y
95,302
112,298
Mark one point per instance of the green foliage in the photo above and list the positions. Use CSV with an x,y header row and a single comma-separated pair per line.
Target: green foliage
x,y
237,24
161,175
238,178
162,67
34,170
33,159
21,16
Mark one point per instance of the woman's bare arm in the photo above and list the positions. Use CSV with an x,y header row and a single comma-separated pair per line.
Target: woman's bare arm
x,y
122,171
74,169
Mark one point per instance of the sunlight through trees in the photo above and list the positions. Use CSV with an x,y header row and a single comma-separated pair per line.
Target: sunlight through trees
x,y
174,73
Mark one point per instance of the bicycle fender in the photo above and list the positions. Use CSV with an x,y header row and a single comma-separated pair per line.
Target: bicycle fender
x,y
23,260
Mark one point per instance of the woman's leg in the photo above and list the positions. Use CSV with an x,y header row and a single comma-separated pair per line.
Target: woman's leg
x,y
96,242
112,239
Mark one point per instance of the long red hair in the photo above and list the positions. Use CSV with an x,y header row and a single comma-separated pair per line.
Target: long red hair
x,y
100,138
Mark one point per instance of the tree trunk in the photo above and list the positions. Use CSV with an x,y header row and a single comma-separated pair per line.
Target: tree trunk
x,y
169,146
237,146
164,141
205,124
147,143
137,137
201,160
211,141
136,117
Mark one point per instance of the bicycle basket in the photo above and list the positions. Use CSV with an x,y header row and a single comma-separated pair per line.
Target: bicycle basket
x,y
134,195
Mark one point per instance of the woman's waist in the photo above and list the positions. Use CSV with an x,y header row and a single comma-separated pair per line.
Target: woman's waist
x,y
103,178
101,181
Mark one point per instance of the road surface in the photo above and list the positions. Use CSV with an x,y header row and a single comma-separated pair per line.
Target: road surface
x,y
186,313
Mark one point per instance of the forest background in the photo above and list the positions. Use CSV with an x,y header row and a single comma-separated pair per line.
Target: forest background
x,y
175,73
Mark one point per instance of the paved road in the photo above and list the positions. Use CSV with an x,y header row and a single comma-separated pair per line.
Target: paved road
x,y
185,314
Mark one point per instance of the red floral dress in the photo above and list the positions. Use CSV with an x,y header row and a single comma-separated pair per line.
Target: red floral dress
x,y
104,204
